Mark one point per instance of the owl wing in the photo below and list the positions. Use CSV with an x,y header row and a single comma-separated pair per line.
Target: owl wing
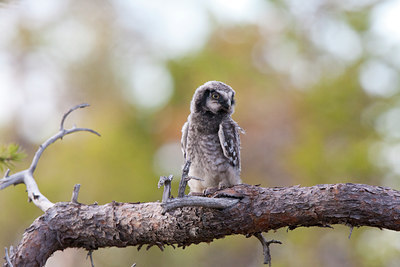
x,y
230,141
185,130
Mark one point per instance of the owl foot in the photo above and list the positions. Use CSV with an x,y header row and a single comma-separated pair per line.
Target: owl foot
x,y
228,192
210,191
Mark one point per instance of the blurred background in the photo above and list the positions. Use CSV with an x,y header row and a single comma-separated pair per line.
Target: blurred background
x,y
317,87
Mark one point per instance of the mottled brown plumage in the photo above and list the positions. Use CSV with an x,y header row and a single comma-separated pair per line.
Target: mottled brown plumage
x,y
210,138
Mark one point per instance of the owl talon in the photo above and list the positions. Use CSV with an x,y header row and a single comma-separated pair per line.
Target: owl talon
x,y
210,191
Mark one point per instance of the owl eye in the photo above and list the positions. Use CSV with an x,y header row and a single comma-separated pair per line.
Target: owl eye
x,y
215,95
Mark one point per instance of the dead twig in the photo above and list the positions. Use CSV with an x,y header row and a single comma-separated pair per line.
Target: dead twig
x,y
184,179
90,255
75,193
166,182
7,256
26,176
265,244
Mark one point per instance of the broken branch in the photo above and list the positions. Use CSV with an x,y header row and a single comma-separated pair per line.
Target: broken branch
x,y
75,193
166,182
184,179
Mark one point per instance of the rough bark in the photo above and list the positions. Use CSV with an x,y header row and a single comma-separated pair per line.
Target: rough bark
x,y
259,210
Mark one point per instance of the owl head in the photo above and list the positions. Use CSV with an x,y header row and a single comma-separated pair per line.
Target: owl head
x,y
215,97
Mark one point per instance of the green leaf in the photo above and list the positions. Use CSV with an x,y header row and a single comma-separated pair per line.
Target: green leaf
x,y
9,155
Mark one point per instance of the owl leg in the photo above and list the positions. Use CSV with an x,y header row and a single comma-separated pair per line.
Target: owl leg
x,y
196,186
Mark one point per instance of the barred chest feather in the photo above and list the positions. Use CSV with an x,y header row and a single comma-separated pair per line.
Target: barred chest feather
x,y
206,153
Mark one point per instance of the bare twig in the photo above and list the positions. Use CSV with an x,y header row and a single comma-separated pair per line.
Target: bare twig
x,y
63,132
90,254
166,182
351,230
265,244
195,201
83,105
160,246
75,193
54,138
184,179
26,176
8,260
11,250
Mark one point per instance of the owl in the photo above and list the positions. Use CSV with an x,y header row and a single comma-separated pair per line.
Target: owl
x,y
210,138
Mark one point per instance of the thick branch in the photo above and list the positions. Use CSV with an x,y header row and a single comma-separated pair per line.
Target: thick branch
x,y
258,210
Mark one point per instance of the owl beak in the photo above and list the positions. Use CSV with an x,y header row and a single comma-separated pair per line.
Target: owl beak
x,y
226,105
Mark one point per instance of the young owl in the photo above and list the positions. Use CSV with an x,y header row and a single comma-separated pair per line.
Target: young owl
x,y
210,138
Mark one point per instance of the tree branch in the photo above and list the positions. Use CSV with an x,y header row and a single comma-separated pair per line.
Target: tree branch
x,y
26,176
184,179
258,210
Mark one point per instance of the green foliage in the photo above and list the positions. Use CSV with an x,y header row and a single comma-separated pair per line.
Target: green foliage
x,y
333,142
9,155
